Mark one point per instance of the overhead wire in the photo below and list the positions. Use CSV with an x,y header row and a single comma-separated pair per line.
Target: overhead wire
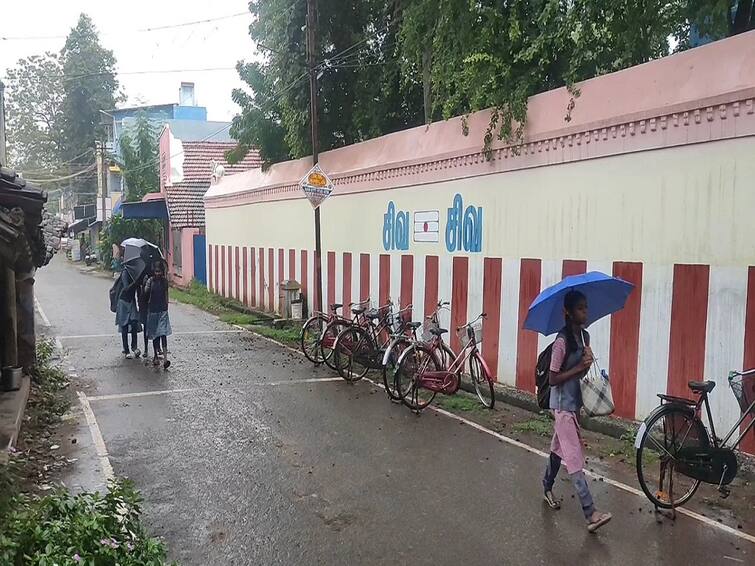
x,y
69,162
138,30
58,179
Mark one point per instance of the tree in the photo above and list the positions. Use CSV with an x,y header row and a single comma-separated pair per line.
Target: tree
x,y
139,151
90,85
35,100
390,64
489,54
361,94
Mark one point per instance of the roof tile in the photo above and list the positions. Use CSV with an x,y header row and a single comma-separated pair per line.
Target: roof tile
x,y
184,199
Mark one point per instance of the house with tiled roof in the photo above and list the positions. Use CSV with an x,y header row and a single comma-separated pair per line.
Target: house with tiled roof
x,y
187,167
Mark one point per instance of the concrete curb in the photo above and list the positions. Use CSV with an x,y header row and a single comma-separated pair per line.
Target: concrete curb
x,y
12,406
614,427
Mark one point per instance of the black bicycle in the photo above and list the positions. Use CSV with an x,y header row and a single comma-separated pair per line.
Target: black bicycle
x,y
675,451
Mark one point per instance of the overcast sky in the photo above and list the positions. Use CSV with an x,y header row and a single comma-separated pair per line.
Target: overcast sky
x,y
216,44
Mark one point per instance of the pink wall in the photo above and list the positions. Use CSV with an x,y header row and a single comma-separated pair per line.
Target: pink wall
x,y
187,257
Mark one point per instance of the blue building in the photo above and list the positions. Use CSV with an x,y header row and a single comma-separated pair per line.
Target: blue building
x,y
184,116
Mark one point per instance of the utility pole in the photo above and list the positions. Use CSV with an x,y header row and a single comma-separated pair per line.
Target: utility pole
x,y
311,35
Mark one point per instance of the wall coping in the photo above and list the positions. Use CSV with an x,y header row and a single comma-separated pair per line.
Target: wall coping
x,y
686,98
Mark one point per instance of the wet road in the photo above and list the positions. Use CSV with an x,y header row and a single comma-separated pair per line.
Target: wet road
x,y
245,454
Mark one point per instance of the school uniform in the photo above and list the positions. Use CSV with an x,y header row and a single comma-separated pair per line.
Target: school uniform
x,y
565,402
158,321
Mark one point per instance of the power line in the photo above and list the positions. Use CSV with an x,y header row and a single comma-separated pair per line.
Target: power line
x,y
58,165
40,181
140,30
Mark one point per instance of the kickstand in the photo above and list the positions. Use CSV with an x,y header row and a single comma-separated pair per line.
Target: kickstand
x,y
660,513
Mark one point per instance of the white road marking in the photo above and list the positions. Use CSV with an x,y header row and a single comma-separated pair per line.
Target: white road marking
x,y
115,396
118,396
622,486
187,333
42,315
99,442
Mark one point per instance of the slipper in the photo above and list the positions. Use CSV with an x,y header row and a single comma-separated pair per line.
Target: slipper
x,y
166,364
595,525
550,499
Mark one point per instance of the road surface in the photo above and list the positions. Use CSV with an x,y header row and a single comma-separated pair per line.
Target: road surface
x,y
246,454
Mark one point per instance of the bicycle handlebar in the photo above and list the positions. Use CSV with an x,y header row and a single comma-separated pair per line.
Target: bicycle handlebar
x,y
471,322
744,373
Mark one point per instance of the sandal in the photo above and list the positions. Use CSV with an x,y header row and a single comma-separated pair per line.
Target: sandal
x,y
593,526
551,500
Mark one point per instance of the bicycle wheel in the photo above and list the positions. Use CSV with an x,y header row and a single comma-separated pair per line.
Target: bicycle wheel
x,y
414,362
309,339
659,440
328,341
353,351
445,356
389,367
483,385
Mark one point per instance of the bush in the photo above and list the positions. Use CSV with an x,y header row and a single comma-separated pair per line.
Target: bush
x,y
87,529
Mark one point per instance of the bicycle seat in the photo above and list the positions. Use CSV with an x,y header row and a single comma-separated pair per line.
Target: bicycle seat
x,y
413,325
335,306
702,386
438,331
357,310
372,314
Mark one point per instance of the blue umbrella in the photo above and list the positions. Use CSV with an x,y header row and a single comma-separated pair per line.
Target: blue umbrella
x,y
605,295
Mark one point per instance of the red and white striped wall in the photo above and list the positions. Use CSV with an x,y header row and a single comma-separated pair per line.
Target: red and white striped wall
x,y
682,322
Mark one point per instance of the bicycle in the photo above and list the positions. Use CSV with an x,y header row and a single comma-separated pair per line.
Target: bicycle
x,y
312,330
361,347
433,368
399,344
334,327
674,442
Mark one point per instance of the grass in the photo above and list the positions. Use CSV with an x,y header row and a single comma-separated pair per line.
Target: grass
x,y
227,311
242,319
288,336
542,426
459,403
198,295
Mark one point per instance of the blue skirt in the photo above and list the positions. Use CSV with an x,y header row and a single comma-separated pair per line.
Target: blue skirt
x,y
126,314
158,324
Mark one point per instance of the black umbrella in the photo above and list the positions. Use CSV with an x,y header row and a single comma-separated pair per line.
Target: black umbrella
x,y
138,257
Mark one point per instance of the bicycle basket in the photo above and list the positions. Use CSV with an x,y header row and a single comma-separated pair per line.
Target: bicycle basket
x,y
743,387
470,332
427,336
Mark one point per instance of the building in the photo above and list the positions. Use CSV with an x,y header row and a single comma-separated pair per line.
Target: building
x,y
651,181
189,160
185,115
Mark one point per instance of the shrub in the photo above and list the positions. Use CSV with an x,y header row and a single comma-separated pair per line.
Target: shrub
x,y
87,529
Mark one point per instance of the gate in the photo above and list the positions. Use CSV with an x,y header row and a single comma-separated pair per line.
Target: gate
x,y
200,258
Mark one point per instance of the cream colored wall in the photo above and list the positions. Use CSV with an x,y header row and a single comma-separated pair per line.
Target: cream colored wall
x,y
690,204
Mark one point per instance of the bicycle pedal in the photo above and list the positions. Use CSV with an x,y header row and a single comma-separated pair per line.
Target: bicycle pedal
x,y
724,492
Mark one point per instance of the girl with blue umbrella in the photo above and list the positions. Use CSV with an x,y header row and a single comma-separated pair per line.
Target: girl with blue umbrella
x,y
563,309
